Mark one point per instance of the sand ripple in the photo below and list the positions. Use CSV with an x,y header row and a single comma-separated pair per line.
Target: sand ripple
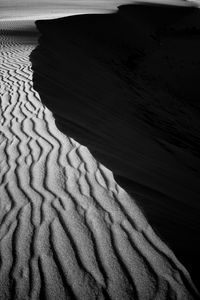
x,y
67,230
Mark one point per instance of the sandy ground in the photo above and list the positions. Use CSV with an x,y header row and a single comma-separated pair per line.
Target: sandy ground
x,y
67,230
49,9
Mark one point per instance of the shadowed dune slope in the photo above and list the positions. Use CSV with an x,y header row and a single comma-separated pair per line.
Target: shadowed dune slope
x,y
126,86
67,229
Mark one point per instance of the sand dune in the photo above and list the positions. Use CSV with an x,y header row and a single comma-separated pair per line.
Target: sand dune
x,y
67,230
126,86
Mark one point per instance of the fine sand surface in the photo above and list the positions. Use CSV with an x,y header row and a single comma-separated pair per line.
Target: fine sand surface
x,y
49,9
67,229
126,85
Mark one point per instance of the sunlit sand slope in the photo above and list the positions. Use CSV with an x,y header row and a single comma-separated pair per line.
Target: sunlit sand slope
x,y
67,230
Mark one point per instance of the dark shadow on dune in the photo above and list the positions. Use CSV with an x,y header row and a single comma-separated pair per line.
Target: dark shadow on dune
x,y
126,86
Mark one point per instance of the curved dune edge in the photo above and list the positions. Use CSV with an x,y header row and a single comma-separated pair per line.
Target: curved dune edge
x,y
67,230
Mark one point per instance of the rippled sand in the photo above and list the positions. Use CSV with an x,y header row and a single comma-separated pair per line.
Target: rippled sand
x,y
67,230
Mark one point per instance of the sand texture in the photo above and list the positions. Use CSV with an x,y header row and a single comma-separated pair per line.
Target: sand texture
x,y
67,229
125,85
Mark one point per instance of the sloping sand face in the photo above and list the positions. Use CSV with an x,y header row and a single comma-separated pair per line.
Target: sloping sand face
x,y
125,85
67,230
